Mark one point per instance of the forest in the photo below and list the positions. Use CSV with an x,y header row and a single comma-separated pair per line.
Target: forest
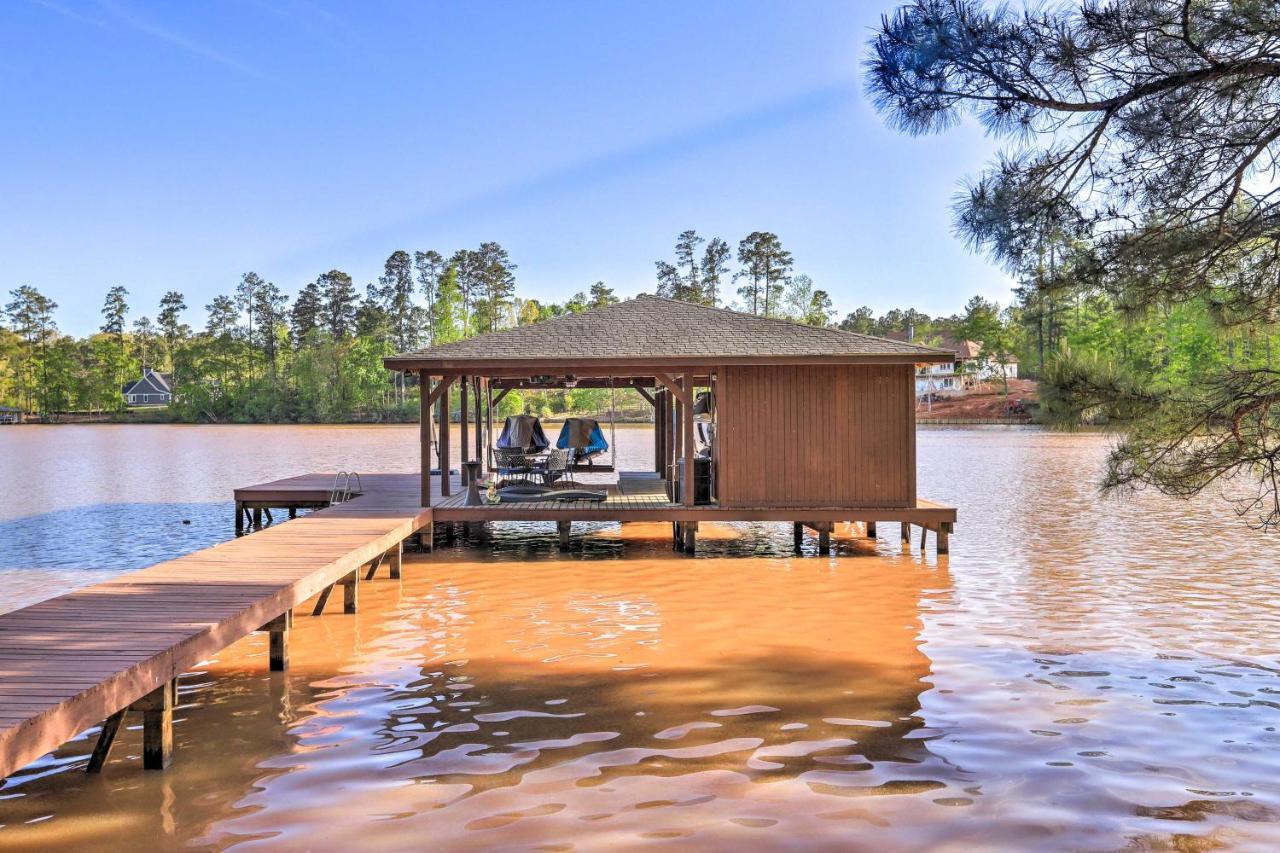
x,y
264,356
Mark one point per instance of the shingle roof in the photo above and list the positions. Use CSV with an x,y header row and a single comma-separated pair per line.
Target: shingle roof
x,y
652,329
963,350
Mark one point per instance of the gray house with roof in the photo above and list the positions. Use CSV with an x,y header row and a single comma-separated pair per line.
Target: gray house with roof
x,y
153,389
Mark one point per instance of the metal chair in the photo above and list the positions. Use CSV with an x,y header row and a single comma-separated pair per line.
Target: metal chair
x,y
557,467
511,464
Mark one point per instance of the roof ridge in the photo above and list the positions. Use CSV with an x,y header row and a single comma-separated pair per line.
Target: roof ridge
x,y
782,320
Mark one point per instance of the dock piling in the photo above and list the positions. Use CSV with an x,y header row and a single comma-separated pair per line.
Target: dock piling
x,y
279,632
157,725
396,558
563,528
797,536
351,592
871,530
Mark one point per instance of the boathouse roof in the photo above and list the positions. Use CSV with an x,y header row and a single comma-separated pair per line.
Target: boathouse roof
x,y
655,331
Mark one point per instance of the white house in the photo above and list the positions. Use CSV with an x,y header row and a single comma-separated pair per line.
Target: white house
x,y
962,375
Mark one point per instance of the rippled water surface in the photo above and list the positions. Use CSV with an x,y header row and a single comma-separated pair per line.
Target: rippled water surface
x,y
1080,673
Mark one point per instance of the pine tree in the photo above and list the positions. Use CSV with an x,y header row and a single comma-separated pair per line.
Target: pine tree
x,y
172,304
602,295
395,292
337,304
715,264
687,263
429,266
305,316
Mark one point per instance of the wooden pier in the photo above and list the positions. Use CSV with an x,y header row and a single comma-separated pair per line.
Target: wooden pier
x,y
72,662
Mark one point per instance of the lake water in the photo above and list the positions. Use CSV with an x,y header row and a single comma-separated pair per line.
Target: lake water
x,y
1080,673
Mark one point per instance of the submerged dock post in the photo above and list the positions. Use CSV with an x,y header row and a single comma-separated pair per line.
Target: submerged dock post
x,y
157,725
396,556
944,538
351,592
279,633
871,530
239,517
824,538
563,527
690,536
906,533
797,536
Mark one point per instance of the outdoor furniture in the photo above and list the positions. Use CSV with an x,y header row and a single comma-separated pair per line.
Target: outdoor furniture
x,y
472,478
556,467
512,464
583,439
523,432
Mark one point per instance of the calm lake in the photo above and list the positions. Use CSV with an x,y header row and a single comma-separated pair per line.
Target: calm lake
x,y
1080,673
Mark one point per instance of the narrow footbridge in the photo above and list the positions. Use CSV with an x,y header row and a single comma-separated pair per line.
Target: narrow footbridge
x,y
87,658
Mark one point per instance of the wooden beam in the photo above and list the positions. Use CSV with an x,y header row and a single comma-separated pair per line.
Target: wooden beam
x,y
157,725
374,565
502,392
106,740
673,386
688,486
351,592
396,559
446,483
279,640
464,421
643,392
441,387
424,440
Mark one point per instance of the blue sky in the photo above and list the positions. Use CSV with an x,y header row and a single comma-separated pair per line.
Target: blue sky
x,y
177,145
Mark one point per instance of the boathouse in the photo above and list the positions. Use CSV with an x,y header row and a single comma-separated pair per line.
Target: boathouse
x,y
756,419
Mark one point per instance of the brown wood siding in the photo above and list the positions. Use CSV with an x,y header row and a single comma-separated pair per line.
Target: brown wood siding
x,y
817,436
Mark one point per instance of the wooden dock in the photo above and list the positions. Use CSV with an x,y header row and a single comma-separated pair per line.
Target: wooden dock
x,y
72,662
89,657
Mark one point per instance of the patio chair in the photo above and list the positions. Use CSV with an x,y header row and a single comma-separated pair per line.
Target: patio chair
x,y
558,468
583,439
511,464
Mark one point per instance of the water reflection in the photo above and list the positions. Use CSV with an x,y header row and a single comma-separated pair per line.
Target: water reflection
x,y
600,695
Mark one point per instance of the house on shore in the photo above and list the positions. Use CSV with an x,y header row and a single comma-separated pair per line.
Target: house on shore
x,y
795,423
152,389
967,368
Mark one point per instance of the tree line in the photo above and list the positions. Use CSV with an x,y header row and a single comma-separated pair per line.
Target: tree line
x,y
262,356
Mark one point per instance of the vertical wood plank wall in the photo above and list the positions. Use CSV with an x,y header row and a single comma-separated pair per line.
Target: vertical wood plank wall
x,y
830,435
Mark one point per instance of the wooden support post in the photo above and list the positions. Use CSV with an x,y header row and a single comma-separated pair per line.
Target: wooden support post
x,y
479,422
239,517
395,557
797,535
924,534
824,538
446,486
906,533
374,565
322,600
464,422
944,538
427,537
563,528
690,537
424,439
293,512
279,639
351,592
677,536
270,518
106,739
157,725
688,483
257,517
871,530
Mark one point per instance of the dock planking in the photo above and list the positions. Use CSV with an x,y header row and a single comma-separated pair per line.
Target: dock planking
x,y
71,662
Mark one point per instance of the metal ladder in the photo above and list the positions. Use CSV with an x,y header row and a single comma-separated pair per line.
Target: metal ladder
x,y
341,490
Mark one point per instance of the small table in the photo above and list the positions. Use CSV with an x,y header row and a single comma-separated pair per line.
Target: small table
x,y
471,472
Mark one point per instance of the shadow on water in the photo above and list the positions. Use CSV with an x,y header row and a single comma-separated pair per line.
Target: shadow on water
x,y
119,536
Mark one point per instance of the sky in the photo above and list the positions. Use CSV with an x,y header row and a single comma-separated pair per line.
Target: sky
x,y
179,145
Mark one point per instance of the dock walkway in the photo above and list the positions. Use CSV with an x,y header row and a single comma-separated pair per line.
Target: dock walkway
x,y
71,662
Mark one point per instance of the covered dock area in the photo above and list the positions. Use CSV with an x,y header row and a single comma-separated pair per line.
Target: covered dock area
x,y
755,419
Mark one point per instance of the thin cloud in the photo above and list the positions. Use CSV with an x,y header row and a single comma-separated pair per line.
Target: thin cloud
x,y
132,19
629,160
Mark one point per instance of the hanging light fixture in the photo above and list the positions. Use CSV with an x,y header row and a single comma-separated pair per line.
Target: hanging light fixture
x,y
571,381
